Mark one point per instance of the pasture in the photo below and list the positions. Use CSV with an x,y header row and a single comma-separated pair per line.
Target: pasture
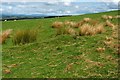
x,y
57,55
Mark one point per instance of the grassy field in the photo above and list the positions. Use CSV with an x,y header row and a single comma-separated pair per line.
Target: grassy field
x,y
59,56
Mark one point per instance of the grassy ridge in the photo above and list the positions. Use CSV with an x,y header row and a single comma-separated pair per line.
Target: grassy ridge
x,y
59,56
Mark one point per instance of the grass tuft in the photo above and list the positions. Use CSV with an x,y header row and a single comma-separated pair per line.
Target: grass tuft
x,y
108,23
99,28
86,19
86,29
24,36
57,24
5,35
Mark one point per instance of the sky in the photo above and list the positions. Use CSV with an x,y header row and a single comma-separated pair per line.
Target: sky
x,y
53,7
60,0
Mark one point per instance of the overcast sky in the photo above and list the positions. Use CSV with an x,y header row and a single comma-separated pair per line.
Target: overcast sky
x,y
53,7
59,0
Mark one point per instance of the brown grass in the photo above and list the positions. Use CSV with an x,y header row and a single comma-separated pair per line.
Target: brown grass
x,y
71,31
69,67
100,49
57,24
108,23
67,23
7,71
117,16
110,17
86,19
108,38
70,23
93,63
87,29
99,28
104,17
5,35
79,24
94,22
108,43
115,35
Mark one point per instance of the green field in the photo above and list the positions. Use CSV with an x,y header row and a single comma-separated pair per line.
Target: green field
x,y
59,56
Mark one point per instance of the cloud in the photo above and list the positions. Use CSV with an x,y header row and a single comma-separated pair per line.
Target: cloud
x,y
10,7
21,6
67,3
77,6
68,11
1,9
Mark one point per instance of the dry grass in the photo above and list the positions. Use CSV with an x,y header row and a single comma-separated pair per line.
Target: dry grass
x,y
118,16
110,17
5,35
108,43
93,63
87,29
67,23
86,19
94,22
79,24
100,49
7,71
108,23
99,28
109,38
68,67
70,31
104,17
57,24
70,23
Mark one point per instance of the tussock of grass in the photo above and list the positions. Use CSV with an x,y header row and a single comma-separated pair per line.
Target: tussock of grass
x,y
71,31
110,17
106,17
99,28
94,22
5,35
86,29
108,23
79,24
24,36
57,24
117,16
86,19
60,31
70,23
